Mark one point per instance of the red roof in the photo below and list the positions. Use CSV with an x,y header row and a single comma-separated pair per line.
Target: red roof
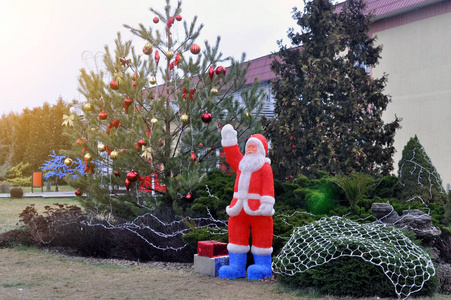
x,y
381,9
387,8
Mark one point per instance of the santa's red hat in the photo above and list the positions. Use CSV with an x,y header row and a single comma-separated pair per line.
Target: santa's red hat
x,y
260,141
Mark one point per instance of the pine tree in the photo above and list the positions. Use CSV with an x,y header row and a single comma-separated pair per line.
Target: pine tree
x,y
328,111
158,113
418,177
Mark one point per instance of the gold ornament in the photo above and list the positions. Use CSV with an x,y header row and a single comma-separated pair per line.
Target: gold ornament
x,y
248,114
152,80
88,157
114,154
93,129
87,106
68,120
154,121
147,152
184,118
101,147
214,91
68,161
170,54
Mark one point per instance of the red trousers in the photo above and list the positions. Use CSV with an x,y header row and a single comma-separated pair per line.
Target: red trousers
x,y
240,228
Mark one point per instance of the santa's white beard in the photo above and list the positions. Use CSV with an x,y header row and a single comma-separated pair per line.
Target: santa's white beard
x,y
251,162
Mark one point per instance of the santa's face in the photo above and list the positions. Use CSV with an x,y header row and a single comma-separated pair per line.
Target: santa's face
x,y
251,148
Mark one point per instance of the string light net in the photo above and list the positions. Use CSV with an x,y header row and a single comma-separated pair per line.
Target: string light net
x,y
405,264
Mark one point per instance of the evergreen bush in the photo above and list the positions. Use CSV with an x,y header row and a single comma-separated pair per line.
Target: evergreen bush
x,y
342,257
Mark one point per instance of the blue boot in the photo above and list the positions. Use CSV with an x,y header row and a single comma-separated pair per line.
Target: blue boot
x,y
236,267
261,269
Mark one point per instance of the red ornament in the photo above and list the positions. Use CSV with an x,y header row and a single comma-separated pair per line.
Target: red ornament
x,y
136,146
117,174
114,85
178,17
127,103
193,156
220,70
103,115
142,142
132,176
171,20
134,76
78,193
211,73
188,196
157,57
134,84
206,117
81,142
195,49
156,20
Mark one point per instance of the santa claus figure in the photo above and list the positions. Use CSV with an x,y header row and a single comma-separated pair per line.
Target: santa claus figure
x,y
251,208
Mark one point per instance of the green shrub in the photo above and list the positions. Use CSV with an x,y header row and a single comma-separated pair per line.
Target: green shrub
x,y
342,257
16,192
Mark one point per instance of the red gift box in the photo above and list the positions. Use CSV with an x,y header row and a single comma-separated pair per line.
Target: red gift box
x,y
211,248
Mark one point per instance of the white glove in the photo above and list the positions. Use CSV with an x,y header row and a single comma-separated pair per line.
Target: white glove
x,y
228,135
266,206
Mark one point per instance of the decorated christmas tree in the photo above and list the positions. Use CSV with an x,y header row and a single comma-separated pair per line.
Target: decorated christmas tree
x,y
151,121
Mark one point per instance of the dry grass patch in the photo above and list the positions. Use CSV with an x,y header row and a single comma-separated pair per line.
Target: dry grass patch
x,y
10,208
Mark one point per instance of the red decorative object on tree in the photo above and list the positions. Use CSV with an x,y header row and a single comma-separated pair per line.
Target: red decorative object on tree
x,y
78,193
117,173
206,117
157,57
103,115
156,20
195,49
211,73
178,17
114,85
220,70
142,142
132,176
193,156
127,103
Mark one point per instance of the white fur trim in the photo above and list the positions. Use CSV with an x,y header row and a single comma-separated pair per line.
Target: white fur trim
x,y
261,251
268,160
234,248
268,200
260,147
236,209
229,142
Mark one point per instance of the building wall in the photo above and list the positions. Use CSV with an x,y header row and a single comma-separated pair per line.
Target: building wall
x,y
417,58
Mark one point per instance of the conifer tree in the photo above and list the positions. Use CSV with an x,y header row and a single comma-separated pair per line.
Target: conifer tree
x,y
418,177
152,119
328,111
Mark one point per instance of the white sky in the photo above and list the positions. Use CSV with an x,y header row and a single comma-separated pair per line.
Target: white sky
x,y
42,41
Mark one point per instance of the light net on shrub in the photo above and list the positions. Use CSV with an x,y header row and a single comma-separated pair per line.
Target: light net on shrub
x,y
405,264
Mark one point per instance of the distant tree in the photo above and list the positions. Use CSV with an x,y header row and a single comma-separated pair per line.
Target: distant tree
x,y
419,178
56,169
29,137
328,110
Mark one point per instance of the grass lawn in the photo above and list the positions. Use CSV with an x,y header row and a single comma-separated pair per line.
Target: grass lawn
x,y
10,208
